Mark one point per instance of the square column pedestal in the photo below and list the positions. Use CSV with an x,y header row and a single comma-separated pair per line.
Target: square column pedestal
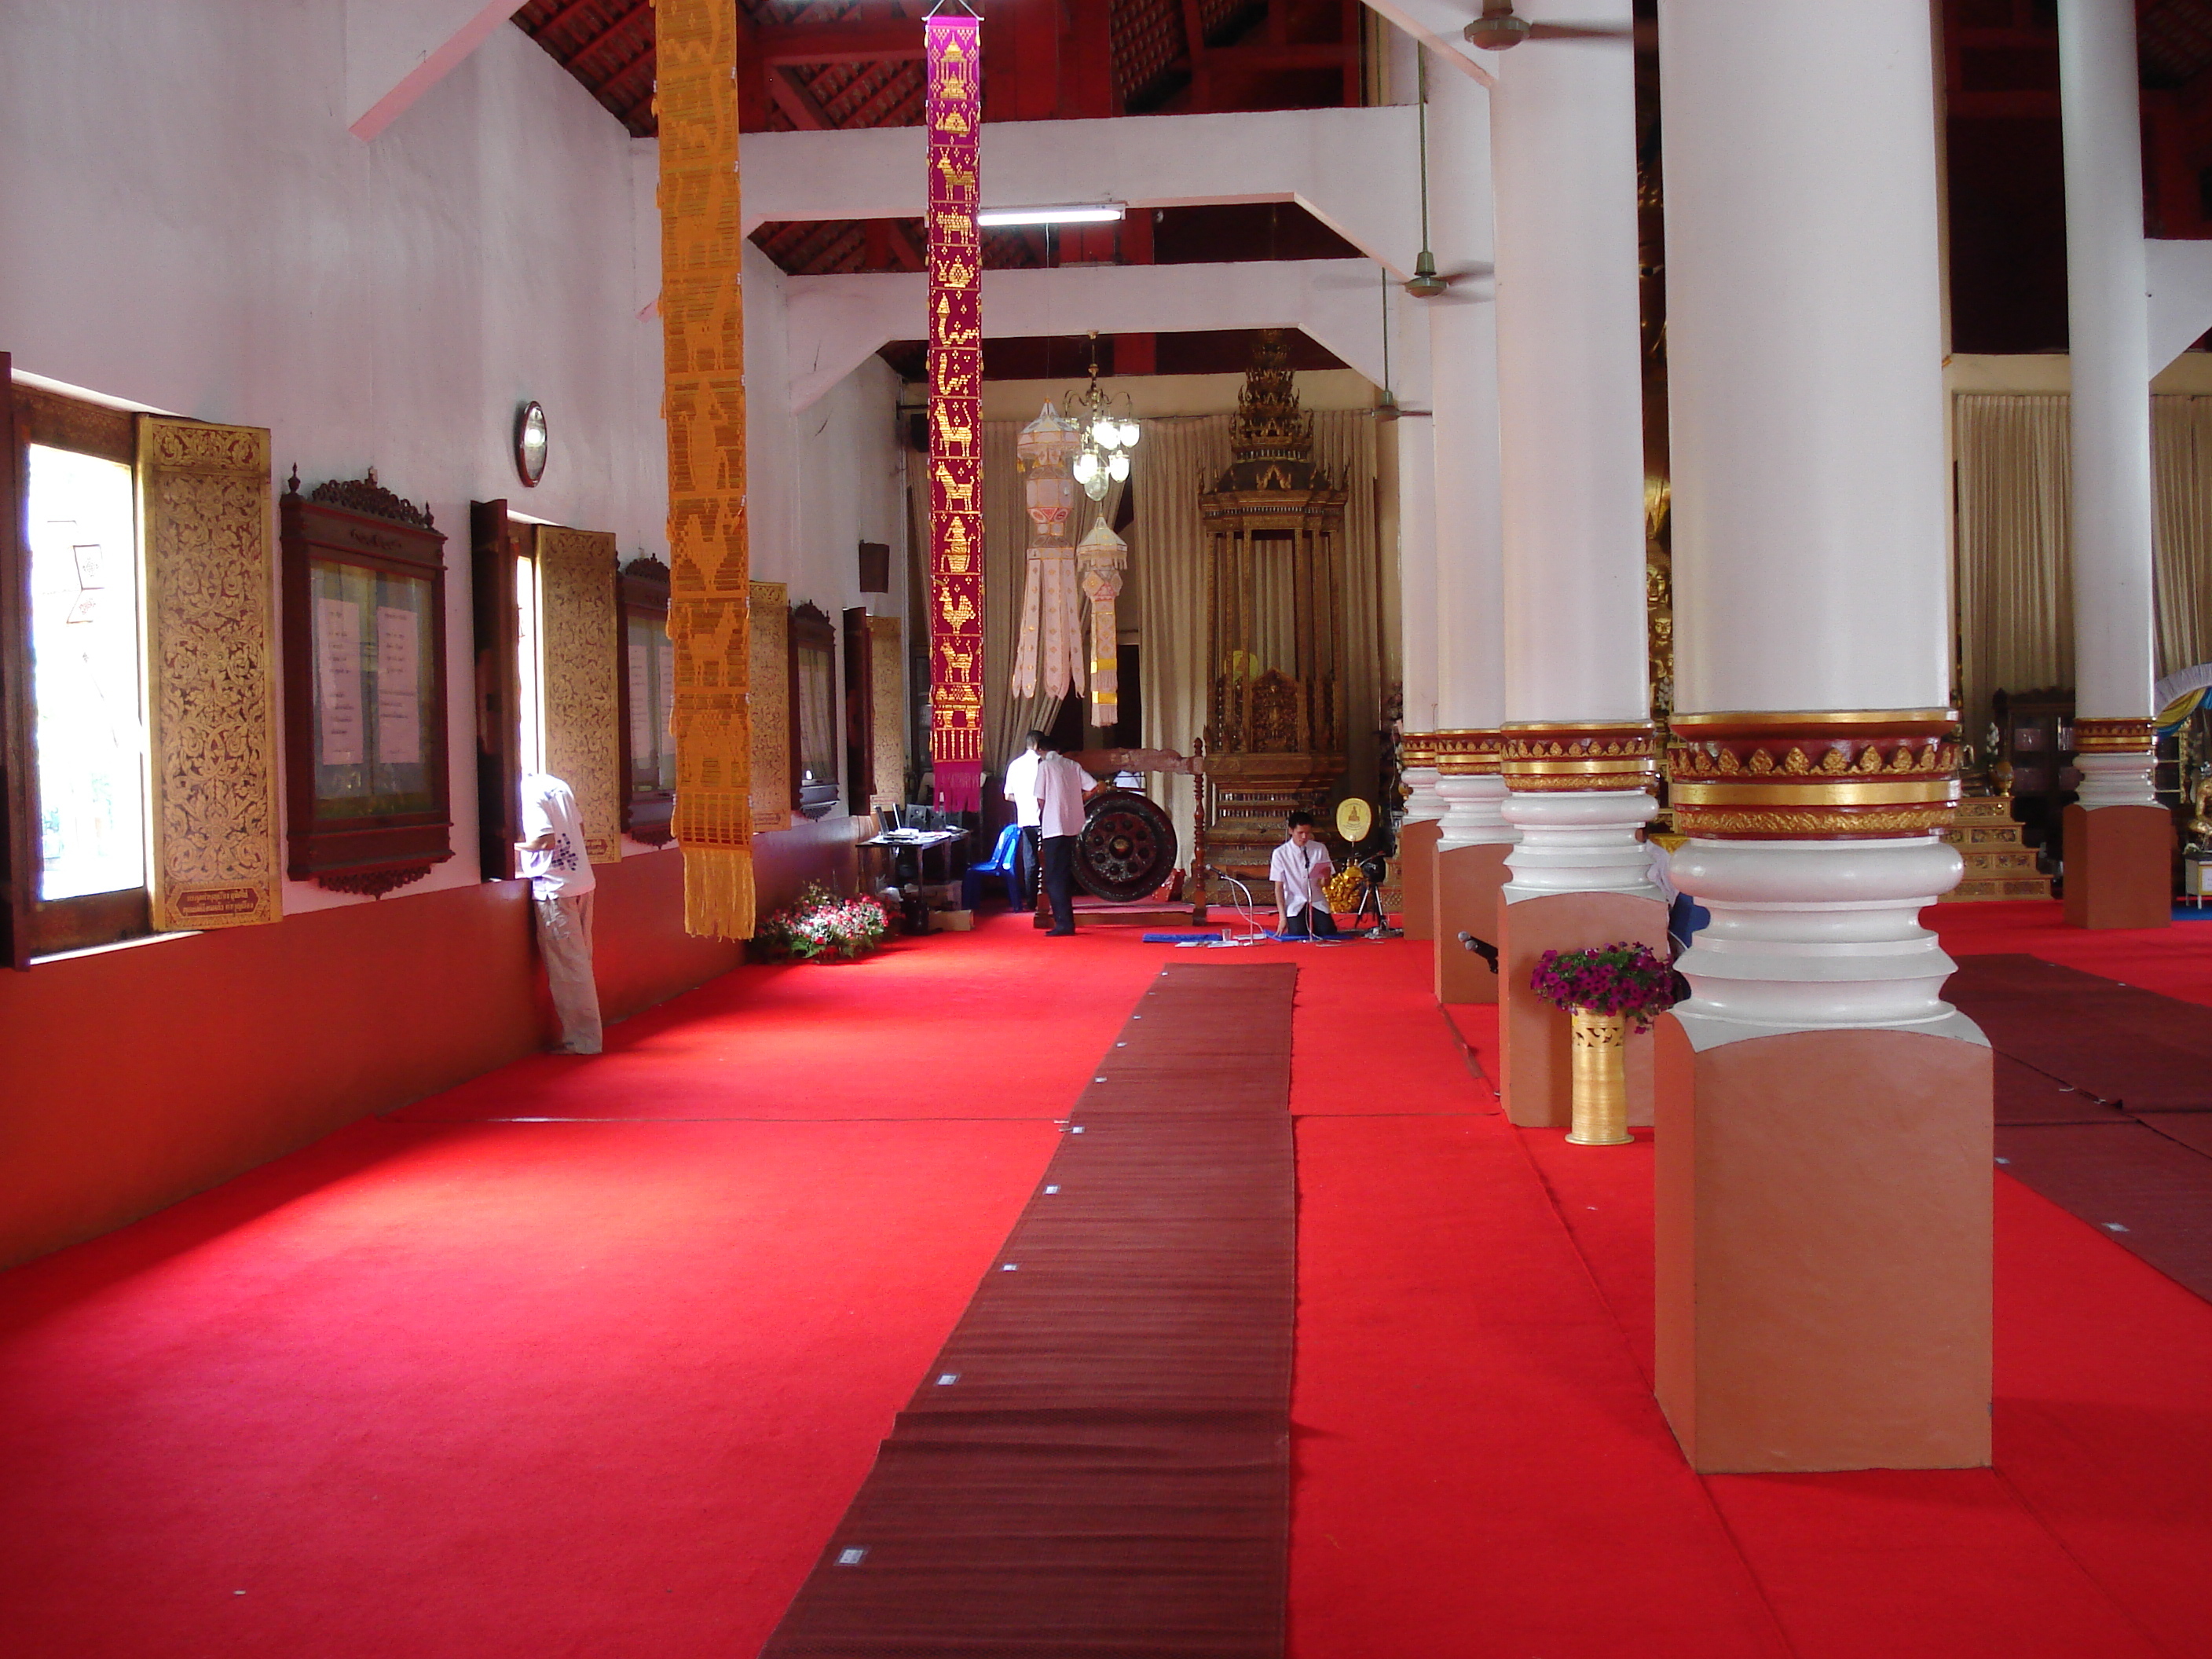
x,y
1823,1250
2119,866
1538,1082
1417,878
1468,880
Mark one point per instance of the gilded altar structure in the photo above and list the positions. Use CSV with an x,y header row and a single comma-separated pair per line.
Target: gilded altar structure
x,y
1275,581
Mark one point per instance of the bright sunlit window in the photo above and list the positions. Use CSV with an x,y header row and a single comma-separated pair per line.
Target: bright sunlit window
x,y
88,675
528,661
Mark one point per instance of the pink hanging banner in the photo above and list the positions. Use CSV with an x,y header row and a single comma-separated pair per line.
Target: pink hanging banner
x,y
955,390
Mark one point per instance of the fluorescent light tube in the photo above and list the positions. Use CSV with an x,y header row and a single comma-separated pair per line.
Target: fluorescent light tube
x,y
1091,213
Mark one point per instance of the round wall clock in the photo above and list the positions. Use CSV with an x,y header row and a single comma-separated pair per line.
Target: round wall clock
x,y
530,442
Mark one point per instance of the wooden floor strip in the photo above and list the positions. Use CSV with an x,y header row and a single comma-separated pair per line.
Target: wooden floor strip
x,y
1097,1463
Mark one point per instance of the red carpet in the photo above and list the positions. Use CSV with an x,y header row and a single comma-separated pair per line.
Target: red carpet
x,y
453,1389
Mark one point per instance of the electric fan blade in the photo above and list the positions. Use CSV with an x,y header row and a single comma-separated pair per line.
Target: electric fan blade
x,y
1581,32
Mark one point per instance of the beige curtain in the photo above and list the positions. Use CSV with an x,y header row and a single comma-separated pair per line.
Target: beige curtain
x,y
2016,594
1344,442
1178,458
2181,465
2015,569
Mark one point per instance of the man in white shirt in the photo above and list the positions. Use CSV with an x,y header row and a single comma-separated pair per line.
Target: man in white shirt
x,y
561,883
1061,789
1298,871
1021,789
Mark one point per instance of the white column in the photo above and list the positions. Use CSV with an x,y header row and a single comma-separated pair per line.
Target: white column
x,y
1570,420
1463,371
1810,507
1416,602
2108,323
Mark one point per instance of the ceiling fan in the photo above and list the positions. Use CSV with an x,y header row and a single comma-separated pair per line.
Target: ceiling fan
x,y
1386,407
1497,28
1427,282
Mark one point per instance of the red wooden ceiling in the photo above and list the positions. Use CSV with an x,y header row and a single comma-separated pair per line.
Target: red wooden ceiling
x,y
814,65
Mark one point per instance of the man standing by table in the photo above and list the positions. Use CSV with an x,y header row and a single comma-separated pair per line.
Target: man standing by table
x,y
1061,789
1021,789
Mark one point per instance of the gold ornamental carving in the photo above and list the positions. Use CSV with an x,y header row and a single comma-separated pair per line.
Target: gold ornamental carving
x,y
703,402
1579,755
887,698
211,651
1464,754
1813,775
771,706
1417,749
2096,735
581,633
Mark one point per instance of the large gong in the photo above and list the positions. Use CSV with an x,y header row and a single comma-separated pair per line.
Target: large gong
x,y
1128,848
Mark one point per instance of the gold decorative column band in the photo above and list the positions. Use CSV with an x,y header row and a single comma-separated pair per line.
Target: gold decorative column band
x,y
1417,749
1823,776
211,660
1464,754
2096,736
703,362
1584,756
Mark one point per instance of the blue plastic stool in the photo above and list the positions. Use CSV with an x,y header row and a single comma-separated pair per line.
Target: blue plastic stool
x,y
1001,863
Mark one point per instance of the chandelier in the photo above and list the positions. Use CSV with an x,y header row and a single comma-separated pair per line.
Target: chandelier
x,y
1108,438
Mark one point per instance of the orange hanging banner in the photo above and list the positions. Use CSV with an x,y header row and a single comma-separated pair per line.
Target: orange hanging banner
x,y
703,343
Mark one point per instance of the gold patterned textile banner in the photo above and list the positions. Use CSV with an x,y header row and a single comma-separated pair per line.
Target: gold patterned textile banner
x,y
211,659
771,707
956,386
703,336
580,633
887,701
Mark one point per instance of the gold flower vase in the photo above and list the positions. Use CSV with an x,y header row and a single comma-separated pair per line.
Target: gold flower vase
x,y
1600,1078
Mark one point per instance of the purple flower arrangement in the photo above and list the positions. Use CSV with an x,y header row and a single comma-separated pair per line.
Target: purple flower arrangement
x,y
1620,978
824,927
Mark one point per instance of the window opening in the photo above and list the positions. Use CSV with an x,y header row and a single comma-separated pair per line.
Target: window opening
x,y
529,663
87,676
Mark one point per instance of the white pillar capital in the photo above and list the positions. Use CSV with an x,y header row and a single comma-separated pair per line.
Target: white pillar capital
x,y
1471,815
1814,935
1581,841
2116,780
1423,804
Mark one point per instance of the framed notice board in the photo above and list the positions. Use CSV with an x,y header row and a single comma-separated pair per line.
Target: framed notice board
x,y
366,786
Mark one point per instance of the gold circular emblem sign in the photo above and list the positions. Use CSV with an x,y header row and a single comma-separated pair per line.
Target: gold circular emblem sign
x,y
1354,818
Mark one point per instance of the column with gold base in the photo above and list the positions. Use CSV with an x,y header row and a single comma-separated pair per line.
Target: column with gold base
x,y
1823,1240
2118,840
1579,877
1472,841
1418,833
1822,1236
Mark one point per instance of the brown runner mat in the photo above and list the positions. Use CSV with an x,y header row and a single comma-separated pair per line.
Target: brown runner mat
x,y
2120,1044
2101,1095
1097,1463
2146,1192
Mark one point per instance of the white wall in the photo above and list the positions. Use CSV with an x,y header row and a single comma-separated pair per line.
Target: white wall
x,y
823,480
186,224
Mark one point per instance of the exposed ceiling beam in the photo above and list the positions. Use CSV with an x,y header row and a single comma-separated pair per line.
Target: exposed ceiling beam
x,y
838,43
794,99
562,16
622,25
